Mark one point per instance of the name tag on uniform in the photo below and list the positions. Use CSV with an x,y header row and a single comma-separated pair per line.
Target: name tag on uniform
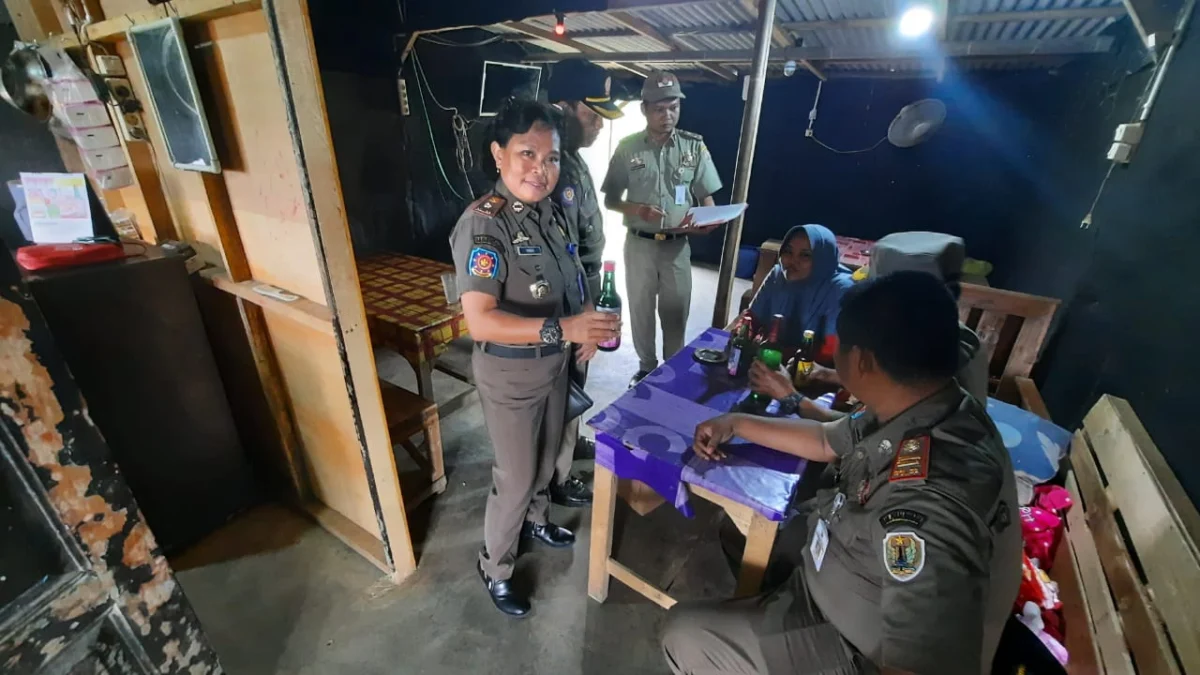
x,y
681,195
529,250
820,542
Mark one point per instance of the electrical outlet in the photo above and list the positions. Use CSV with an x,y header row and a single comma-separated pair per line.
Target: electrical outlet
x,y
120,90
404,109
109,65
132,126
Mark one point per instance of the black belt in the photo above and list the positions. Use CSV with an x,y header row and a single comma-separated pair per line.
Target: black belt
x,y
656,236
530,352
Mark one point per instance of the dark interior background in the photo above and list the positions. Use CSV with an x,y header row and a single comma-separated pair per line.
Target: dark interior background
x,y
1013,171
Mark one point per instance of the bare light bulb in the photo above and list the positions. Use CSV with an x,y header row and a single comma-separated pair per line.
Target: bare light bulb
x,y
916,21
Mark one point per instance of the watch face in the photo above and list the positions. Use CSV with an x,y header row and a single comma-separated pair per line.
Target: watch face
x,y
551,333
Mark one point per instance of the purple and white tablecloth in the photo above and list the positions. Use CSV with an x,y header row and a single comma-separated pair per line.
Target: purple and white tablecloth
x,y
647,433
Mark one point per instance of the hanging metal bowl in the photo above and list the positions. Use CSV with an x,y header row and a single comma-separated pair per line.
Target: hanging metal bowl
x,y
21,78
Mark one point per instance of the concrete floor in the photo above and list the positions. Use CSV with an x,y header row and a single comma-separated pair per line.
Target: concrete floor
x,y
276,594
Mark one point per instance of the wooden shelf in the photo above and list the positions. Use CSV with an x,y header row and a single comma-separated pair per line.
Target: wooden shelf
x,y
305,311
114,29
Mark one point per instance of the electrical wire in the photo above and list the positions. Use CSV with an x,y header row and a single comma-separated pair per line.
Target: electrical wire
x,y
422,88
848,152
451,43
459,125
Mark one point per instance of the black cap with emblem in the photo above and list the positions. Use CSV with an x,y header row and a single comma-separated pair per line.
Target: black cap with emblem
x,y
582,80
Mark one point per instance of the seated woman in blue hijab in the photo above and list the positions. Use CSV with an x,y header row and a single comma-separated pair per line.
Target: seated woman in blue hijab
x,y
806,287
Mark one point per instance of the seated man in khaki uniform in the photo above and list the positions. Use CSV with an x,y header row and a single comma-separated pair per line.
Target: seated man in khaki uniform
x,y
913,558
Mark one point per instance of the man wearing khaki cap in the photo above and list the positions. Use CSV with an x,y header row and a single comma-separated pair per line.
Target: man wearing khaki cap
x,y
654,177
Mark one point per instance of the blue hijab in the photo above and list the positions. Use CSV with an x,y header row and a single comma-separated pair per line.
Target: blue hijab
x,y
809,304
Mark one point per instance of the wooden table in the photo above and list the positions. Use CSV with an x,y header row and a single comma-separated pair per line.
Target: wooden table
x,y
407,311
646,435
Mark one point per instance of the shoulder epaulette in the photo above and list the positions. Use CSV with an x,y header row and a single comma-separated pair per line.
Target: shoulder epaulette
x,y
690,135
489,206
912,459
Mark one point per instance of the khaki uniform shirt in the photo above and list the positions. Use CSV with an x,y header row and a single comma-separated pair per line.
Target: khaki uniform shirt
x,y
576,195
521,254
923,553
658,175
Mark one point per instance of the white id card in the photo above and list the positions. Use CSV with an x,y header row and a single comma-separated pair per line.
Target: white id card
x,y
820,542
681,195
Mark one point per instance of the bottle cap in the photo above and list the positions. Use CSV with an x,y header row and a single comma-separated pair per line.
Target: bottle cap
x,y
610,266
809,334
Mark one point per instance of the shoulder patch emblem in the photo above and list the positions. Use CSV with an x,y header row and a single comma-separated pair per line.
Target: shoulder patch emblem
x,y
902,517
484,262
912,460
490,206
568,196
903,555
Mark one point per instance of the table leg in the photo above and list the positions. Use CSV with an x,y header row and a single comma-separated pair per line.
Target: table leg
x,y
425,380
604,507
759,542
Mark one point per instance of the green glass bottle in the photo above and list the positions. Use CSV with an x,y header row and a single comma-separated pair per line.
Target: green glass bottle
x,y
609,302
769,351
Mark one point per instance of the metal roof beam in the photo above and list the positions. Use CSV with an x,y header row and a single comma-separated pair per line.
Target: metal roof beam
x,y
645,29
592,53
998,48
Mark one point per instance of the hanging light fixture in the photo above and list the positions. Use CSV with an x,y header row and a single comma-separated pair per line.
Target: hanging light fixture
x,y
560,24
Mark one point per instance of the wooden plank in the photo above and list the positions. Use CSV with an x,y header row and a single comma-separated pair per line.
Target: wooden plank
x,y
113,29
1143,633
604,506
34,19
988,329
779,35
304,311
640,497
1159,517
1007,302
262,176
358,539
1027,346
1031,398
291,462
759,542
296,63
638,583
1079,637
1103,617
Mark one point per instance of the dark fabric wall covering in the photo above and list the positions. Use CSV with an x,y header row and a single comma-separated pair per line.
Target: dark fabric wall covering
x,y
1131,317
969,179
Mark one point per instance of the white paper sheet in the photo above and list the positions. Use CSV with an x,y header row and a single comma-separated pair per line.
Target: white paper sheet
x,y
59,211
711,215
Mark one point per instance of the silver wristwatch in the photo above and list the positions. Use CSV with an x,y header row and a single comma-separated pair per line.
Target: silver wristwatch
x,y
551,332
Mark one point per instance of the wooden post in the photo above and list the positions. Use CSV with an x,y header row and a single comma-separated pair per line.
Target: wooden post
x,y
741,176
604,508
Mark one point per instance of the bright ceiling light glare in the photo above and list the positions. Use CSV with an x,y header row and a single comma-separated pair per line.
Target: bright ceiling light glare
x,y
916,21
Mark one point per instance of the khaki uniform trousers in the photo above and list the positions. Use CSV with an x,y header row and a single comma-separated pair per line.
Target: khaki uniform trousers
x,y
524,402
776,633
658,276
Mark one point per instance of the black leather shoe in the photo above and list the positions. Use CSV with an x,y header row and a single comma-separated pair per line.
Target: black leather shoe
x,y
549,534
637,377
573,493
585,448
504,597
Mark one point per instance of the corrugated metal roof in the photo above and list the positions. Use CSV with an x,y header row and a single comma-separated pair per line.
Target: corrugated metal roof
x,y
707,17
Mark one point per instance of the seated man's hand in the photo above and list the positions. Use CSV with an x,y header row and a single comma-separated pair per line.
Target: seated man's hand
x,y
773,383
710,435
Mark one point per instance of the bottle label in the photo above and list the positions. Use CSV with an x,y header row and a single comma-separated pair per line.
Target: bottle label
x,y
615,342
735,361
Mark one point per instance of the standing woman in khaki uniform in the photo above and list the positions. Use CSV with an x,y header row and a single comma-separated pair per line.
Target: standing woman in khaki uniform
x,y
525,300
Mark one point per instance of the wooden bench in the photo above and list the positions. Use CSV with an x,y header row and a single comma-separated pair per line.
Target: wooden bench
x,y
407,415
1129,568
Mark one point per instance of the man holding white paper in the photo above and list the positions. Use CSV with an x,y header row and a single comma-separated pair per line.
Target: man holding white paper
x,y
654,178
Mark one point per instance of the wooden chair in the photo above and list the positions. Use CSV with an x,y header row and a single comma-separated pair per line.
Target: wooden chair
x,y
409,414
1011,327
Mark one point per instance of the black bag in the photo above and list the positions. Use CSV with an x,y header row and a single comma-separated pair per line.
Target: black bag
x,y
578,402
